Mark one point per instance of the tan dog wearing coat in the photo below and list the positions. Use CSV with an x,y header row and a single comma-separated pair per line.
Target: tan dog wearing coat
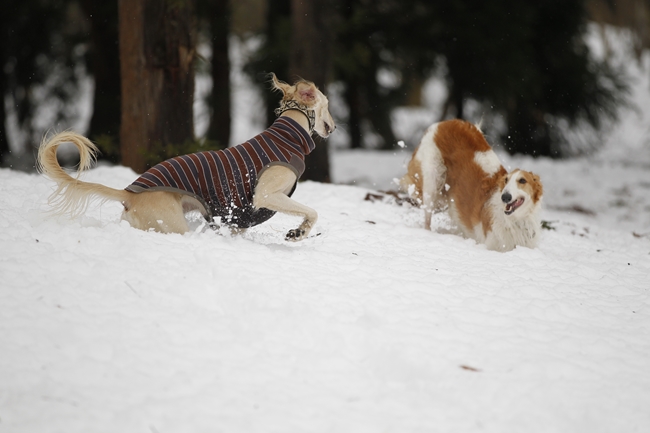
x,y
243,185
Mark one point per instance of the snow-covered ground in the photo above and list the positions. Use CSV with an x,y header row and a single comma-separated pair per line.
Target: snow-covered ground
x,y
375,325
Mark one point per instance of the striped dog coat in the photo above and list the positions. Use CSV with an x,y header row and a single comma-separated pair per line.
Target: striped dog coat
x,y
224,181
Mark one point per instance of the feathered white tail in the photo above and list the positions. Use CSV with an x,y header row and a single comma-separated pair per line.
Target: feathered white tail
x,y
72,195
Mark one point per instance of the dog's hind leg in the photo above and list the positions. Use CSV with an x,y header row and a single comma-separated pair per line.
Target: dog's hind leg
x,y
418,186
432,174
160,211
271,193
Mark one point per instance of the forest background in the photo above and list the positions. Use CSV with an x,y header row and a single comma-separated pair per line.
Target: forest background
x,y
521,67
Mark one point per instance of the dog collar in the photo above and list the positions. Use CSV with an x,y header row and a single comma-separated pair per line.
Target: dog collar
x,y
293,105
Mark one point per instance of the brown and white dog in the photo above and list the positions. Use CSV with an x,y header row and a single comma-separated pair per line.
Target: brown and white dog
x,y
454,167
243,185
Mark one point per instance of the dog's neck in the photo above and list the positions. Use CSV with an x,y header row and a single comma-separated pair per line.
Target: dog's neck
x,y
298,112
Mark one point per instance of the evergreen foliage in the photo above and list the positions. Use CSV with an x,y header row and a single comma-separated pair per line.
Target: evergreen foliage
x,y
37,62
525,60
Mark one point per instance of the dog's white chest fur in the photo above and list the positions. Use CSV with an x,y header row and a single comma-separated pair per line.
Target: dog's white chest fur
x,y
506,233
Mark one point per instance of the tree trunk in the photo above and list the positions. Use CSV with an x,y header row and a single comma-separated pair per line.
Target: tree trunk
x,y
353,100
378,112
105,68
4,139
528,133
157,49
220,118
275,54
311,52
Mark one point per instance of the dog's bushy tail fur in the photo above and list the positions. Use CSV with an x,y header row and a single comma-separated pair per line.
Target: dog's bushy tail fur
x,y
72,195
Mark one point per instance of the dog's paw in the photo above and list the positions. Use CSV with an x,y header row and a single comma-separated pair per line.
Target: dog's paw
x,y
295,235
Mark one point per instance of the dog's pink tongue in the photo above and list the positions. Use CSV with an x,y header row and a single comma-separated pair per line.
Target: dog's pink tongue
x,y
510,207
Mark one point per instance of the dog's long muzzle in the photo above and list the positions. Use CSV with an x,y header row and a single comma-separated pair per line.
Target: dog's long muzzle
x,y
511,205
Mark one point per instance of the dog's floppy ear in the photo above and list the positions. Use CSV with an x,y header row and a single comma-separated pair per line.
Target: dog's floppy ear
x,y
539,189
306,92
280,85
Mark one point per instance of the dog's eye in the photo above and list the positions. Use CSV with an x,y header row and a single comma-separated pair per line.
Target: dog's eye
x,y
522,181
506,180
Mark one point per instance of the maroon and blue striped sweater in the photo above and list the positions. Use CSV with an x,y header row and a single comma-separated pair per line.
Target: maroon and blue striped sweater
x,y
224,181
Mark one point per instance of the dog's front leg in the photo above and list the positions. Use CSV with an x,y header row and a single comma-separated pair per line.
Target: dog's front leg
x,y
427,204
271,193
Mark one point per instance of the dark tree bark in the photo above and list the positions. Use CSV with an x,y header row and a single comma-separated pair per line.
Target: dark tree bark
x,y
105,68
28,29
4,139
310,58
157,50
528,133
220,119
353,100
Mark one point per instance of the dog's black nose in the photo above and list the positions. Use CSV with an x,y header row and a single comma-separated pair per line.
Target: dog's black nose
x,y
506,197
